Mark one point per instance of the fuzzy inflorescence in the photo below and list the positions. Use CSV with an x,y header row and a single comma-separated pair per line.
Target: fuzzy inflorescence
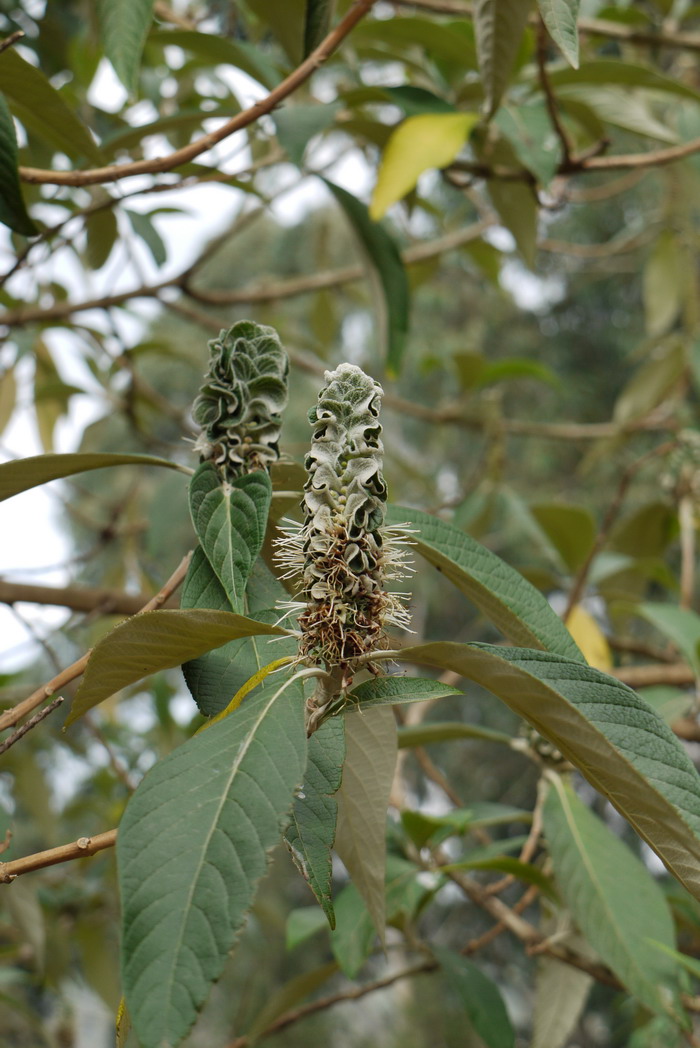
x,y
343,552
240,403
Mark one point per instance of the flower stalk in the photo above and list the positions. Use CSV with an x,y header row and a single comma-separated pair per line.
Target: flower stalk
x,y
240,404
344,553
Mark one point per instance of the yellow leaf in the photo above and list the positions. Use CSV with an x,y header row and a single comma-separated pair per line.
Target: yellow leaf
x,y
253,682
589,637
431,140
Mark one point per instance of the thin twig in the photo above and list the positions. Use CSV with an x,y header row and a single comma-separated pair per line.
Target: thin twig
x,y
10,40
249,116
31,723
12,716
52,856
550,100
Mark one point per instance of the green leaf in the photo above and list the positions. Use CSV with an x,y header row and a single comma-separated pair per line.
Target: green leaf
x,y
663,284
192,845
102,231
524,871
501,593
297,125
480,998
13,212
23,474
422,828
230,521
604,71
154,641
144,228
515,201
416,100
124,26
383,691
287,996
354,934
8,396
363,799
387,273
311,832
615,739
41,108
651,383
443,731
499,27
570,529
529,130
606,888
317,23
221,50
560,16
419,143
680,625
561,992
302,923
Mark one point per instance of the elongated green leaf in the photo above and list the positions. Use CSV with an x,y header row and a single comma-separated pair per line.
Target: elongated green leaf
x,y
515,201
156,641
604,71
354,935
560,18
220,50
102,231
480,998
143,226
311,832
124,26
443,731
420,143
302,923
297,125
383,691
614,738
529,131
524,871
570,529
13,212
501,593
8,396
499,26
41,108
680,625
387,272
663,284
192,845
561,992
422,828
230,522
23,474
363,799
607,887
317,22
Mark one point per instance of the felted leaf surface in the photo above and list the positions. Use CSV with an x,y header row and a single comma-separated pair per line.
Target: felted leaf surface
x,y
383,691
192,845
154,641
363,798
23,474
501,593
615,739
560,18
311,831
607,888
230,522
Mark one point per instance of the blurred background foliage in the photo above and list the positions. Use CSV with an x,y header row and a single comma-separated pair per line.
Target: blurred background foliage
x,y
543,400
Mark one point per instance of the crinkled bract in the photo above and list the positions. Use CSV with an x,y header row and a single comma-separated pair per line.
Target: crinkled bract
x,y
240,403
343,552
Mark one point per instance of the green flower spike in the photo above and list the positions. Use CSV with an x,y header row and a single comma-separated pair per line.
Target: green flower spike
x,y
343,552
239,406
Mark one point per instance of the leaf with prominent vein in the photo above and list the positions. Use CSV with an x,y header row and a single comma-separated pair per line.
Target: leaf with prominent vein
x,y
607,888
192,845
311,832
155,641
230,521
124,26
385,691
363,799
499,591
499,27
613,737
23,474
560,16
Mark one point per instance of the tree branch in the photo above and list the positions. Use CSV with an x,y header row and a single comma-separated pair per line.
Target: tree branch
x,y
31,723
114,172
77,598
52,856
11,717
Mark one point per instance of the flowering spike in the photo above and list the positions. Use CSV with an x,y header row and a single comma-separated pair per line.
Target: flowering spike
x,y
343,552
240,403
